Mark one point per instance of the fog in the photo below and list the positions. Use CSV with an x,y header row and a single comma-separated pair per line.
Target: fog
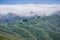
x,y
29,9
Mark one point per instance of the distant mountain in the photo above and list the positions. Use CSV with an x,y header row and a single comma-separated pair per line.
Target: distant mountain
x,y
57,13
10,17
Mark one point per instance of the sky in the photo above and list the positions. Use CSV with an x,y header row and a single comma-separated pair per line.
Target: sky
x,y
29,1
25,7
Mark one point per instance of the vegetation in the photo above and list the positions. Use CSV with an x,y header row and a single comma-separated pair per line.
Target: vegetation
x,y
30,28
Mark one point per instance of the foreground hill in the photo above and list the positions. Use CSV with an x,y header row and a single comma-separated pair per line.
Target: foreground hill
x,y
13,27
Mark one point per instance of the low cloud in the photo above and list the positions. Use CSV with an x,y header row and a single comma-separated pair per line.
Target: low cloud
x,y
30,9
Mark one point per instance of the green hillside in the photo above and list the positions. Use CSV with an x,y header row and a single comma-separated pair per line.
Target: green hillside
x,y
32,28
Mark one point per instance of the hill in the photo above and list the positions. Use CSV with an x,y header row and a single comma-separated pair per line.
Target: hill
x,y
13,27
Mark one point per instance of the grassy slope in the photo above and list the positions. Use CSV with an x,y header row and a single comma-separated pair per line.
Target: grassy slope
x,y
38,28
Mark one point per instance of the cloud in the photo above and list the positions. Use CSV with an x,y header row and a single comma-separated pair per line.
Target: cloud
x,y
26,9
